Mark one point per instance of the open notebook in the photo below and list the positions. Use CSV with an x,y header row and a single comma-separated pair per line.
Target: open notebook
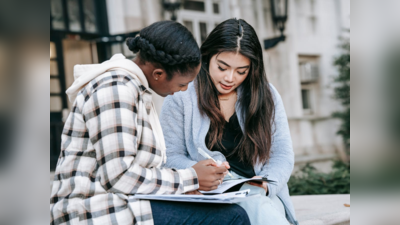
x,y
234,185
228,193
226,198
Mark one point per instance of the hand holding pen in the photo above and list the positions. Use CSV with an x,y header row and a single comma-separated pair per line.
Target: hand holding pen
x,y
218,163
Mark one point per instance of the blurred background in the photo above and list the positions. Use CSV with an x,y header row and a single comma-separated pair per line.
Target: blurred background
x,y
309,66
314,31
304,57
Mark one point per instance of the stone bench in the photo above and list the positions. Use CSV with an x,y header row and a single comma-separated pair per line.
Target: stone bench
x,y
322,209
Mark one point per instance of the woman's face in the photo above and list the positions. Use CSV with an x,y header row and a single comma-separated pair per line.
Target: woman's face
x,y
228,70
179,82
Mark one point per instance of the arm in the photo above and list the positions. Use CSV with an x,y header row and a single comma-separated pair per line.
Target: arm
x,y
172,122
281,162
111,118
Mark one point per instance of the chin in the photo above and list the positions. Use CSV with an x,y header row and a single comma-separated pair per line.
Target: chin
x,y
223,91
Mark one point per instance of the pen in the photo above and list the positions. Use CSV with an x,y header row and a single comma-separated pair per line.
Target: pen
x,y
205,155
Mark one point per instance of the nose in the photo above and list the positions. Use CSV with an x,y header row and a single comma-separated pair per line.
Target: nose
x,y
184,88
229,76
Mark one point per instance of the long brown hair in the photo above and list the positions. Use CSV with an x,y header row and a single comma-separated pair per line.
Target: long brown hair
x,y
256,101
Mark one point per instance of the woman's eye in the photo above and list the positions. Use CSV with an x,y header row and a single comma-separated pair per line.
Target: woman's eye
x,y
221,68
241,73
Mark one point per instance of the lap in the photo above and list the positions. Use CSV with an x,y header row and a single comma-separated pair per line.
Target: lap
x,y
166,212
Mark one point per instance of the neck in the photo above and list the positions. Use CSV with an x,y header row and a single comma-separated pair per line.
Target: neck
x,y
147,69
228,95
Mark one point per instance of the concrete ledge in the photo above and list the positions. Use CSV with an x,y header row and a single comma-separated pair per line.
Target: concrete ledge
x,y
322,209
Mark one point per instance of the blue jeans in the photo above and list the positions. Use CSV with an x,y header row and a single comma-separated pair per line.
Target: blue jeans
x,y
166,212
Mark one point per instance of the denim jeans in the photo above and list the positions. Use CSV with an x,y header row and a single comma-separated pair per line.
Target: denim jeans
x,y
263,210
166,212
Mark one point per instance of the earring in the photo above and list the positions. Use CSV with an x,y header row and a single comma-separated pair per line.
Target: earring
x,y
157,78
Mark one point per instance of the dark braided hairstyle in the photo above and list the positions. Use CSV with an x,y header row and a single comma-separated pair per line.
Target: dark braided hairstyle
x,y
167,44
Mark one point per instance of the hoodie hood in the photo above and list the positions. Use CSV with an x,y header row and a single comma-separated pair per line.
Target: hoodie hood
x,y
83,74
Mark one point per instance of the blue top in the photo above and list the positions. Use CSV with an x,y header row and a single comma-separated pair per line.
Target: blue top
x,y
185,130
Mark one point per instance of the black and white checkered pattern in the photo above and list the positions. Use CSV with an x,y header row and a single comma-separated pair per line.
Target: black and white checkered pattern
x,y
108,154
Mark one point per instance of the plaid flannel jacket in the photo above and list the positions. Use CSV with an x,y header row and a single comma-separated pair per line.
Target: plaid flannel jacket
x,y
108,154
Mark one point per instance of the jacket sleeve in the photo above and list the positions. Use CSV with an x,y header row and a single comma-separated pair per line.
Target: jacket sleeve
x,y
111,118
280,165
172,119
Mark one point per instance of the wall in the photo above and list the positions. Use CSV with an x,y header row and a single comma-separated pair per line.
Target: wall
x,y
313,29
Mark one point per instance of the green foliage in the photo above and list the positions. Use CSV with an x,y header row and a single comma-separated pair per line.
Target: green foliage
x,y
342,90
308,181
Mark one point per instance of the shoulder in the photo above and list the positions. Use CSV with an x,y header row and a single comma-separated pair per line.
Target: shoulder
x,y
275,94
115,84
114,79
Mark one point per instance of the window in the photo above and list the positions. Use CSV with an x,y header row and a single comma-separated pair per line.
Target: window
x,y
194,5
75,15
57,15
188,25
200,17
216,8
305,97
90,16
308,69
203,31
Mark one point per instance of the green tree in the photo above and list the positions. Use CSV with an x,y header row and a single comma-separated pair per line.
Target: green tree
x,y
342,90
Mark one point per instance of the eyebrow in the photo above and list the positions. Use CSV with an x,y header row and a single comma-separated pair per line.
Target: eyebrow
x,y
230,66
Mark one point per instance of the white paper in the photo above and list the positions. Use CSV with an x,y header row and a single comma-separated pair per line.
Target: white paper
x,y
230,197
228,184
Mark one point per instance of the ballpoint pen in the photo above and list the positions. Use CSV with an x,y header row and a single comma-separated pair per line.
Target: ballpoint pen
x,y
205,155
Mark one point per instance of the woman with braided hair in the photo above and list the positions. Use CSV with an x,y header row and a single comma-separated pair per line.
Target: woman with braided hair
x,y
234,114
113,145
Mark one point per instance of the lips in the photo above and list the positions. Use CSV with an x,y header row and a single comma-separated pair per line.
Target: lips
x,y
226,87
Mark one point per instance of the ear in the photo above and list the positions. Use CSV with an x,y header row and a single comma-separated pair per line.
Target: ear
x,y
159,74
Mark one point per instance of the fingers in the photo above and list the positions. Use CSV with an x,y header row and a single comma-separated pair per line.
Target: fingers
x,y
256,184
221,169
195,192
213,187
208,188
220,176
226,164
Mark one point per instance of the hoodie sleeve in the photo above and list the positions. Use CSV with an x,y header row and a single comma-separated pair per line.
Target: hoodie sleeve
x,y
111,116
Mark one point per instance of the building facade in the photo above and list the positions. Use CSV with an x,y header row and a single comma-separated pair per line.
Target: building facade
x,y
301,67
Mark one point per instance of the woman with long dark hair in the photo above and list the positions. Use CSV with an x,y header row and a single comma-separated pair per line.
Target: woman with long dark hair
x,y
235,115
113,146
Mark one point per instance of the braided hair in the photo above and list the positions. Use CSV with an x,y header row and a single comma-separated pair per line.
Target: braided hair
x,y
167,44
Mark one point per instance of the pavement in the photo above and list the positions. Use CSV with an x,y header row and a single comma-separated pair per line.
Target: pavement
x,y
322,209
